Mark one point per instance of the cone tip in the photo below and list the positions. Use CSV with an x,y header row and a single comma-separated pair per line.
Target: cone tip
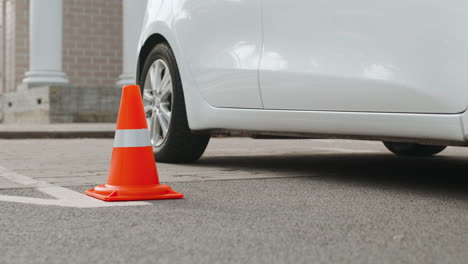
x,y
131,86
131,112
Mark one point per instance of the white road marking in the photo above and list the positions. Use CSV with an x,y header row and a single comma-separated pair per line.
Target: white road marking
x,y
64,197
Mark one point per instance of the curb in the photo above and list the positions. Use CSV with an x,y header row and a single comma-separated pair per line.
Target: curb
x,y
55,134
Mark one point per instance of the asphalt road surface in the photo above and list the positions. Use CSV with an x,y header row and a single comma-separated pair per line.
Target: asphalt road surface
x,y
247,201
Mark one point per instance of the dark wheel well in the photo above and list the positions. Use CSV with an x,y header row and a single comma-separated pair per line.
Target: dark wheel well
x,y
150,43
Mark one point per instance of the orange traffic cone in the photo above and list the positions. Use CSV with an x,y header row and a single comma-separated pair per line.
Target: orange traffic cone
x,y
133,174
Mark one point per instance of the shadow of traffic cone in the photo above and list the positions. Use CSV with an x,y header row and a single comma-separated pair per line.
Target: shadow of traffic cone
x,y
133,174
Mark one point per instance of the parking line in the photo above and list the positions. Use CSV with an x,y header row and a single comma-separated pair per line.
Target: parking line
x,y
64,197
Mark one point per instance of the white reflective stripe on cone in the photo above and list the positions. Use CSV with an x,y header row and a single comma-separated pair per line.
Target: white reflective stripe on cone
x,y
127,138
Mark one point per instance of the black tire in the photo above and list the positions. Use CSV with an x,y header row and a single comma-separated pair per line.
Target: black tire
x,y
180,144
413,149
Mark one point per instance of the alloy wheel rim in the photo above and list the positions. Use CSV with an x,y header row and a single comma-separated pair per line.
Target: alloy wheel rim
x,y
157,100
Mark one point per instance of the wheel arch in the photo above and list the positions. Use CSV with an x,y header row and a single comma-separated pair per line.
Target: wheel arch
x,y
145,50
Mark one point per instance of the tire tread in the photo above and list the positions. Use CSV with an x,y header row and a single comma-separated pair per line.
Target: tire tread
x,y
413,149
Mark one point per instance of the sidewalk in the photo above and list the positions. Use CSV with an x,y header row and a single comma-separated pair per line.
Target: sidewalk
x,y
72,130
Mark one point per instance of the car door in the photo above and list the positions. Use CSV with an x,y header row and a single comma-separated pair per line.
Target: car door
x,y
221,41
365,55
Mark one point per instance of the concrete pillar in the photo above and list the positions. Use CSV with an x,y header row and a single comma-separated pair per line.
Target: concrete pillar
x,y
133,13
45,43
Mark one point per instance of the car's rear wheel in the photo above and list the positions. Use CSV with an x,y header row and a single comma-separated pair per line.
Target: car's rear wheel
x,y
413,149
166,115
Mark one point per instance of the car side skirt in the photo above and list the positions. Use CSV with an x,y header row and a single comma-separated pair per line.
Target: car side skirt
x,y
439,129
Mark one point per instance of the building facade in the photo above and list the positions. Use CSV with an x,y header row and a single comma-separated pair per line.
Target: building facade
x,y
64,60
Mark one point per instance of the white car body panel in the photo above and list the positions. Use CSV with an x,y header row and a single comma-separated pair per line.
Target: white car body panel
x,y
222,43
365,55
443,121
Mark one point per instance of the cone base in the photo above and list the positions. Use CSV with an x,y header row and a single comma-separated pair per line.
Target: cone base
x,y
111,193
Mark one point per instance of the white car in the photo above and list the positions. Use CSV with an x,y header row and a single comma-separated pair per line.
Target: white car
x,y
395,71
